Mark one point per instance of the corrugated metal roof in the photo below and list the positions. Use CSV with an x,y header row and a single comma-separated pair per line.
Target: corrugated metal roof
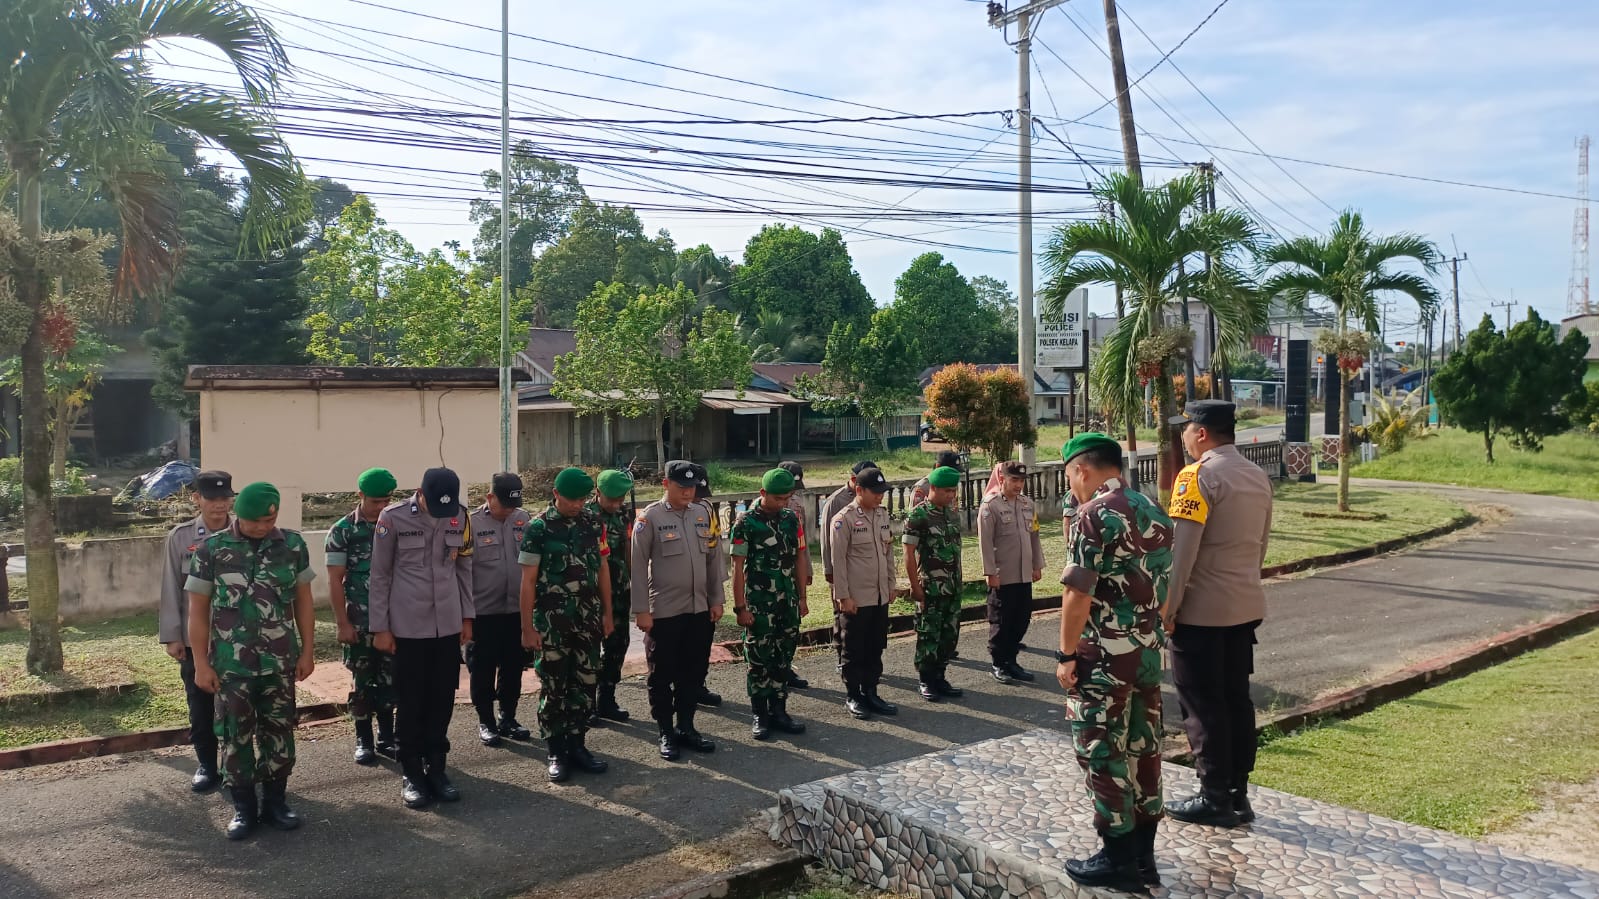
x,y
723,400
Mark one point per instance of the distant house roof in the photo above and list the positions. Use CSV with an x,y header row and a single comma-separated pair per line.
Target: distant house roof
x,y
1589,326
316,377
781,375
544,345
534,400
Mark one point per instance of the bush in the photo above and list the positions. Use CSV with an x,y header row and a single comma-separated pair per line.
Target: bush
x,y
1248,414
74,484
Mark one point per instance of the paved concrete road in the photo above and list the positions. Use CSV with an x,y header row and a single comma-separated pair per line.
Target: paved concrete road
x,y
128,827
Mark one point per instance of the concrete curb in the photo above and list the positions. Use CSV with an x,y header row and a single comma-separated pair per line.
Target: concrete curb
x,y
749,880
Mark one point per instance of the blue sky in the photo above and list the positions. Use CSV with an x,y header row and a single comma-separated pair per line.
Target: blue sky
x,y
1469,91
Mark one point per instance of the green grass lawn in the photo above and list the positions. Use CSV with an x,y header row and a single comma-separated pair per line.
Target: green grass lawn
x,y
1469,756
1568,465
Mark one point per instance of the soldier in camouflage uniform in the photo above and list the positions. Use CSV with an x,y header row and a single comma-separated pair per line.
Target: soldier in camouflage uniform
x,y
566,613
768,543
610,506
933,567
1118,567
251,624
349,560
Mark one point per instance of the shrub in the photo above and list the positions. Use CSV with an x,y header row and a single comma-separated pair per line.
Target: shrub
x,y
74,484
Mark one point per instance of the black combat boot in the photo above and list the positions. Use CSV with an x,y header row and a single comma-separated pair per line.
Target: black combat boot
x,y
856,703
246,812
577,753
876,703
668,742
1147,871
1002,674
275,805
512,729
709,698
386,744
365,751
560,768
927,684
439,781
795,682
761,726
688,737
205,777
944,687
605,707
1115,866
781,719
1211,806
488,734
1019,673
1240,794
414,785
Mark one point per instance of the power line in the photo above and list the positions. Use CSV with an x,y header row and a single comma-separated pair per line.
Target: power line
x,y
1151,69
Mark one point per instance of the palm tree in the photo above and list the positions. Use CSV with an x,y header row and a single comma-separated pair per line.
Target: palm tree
x,y
78,98
1349,268
776,337
1140,250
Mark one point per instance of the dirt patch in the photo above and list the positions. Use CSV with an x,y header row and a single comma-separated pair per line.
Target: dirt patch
x,y
658,872
1561,831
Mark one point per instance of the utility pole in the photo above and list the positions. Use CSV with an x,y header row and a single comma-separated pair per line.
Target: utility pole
x,y
1507,305
1026,347
1454,271
506,410
1124,116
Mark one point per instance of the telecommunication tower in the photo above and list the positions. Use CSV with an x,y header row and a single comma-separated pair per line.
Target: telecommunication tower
x,y
1578,300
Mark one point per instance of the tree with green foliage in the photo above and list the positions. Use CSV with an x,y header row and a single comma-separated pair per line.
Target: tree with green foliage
x,y
707,274
545,195
1349,268
77,96
942,317
635,358
990,410
603,245
1142,250
796,273
997,322
328,200
872,376
775,337
1252,365
1525,384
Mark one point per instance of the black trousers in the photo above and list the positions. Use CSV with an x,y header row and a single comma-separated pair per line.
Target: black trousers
x,y
862,637
202,713
496,664
678,653
426,672
1010,611
1210,669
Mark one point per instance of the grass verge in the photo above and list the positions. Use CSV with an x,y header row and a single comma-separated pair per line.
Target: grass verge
x,y
1568,465
1470,756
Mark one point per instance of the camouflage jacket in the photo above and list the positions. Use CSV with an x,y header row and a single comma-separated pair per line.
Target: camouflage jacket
x,y
934,534
1120,554
568,552
771,545
617,527
252,585
349,544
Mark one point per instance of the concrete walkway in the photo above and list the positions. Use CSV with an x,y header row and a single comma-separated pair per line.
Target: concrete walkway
x,y
128,826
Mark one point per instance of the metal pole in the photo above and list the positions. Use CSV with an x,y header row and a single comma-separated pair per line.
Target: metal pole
x,y
1025,339
506,458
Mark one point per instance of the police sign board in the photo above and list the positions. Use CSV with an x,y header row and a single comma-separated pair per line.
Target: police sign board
x,y
1060,338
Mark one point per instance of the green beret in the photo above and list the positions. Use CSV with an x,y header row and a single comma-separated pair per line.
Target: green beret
x,y
1086,441
777,482
944,477
615,484
376,482
574,483
256,500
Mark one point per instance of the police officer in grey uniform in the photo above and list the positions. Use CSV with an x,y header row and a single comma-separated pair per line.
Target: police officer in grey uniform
x,y
839,498
678,571
1013,559
420,608
495,657
796,502
213,492
861,544
922,489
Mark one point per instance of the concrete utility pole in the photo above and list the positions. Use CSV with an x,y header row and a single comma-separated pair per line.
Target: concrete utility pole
x,y
506,411
1026,346
1454,270
1124,116
1507,305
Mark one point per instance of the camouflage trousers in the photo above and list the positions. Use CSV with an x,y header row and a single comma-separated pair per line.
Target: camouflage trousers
x,y
938,628
371,678
613,649
1115,716
255,728
568,669
769,646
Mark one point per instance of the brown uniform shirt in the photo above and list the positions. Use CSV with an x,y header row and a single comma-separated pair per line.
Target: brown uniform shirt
x,y
421,581
835,503
1007,532
796,503
862,549
678,560
1221,506
496,574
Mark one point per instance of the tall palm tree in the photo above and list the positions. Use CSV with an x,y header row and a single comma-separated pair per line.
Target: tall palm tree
x,y
776,337
78,97
1140,250
1349,268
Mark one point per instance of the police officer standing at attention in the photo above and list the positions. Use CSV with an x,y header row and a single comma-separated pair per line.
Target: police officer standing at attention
x,y
213,497
566,614
349,559
1013,559
924,488
862,548
796,504
1222,508
421,611
678,571
610,505
496,658
836,502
